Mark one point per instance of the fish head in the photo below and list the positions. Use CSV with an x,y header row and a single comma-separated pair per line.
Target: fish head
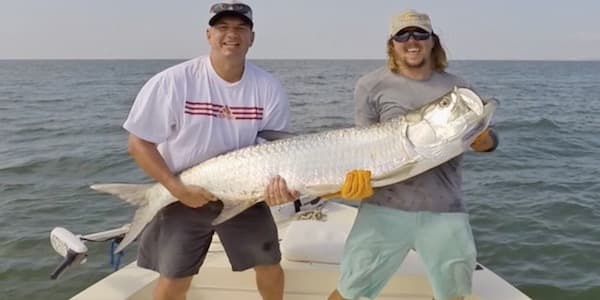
x,y
456,114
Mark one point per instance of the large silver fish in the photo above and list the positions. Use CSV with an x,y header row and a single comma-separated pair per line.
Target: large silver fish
x,y
316,164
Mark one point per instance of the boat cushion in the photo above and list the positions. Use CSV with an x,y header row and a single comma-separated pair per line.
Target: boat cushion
x,y
315,241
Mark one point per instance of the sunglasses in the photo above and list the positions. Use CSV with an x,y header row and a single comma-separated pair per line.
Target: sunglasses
x,y
418,35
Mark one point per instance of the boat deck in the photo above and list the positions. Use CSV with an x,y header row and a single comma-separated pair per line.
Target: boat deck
x,y
303,280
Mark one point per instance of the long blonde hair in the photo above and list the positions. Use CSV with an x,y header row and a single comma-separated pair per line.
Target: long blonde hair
x,y
438,55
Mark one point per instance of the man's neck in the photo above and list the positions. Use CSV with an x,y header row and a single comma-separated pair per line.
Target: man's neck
x,y
229,70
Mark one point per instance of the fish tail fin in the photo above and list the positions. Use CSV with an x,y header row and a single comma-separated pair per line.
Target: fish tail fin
x,y
136,195
132,193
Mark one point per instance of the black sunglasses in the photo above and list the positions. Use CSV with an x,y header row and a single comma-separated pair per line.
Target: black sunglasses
x,y
418,35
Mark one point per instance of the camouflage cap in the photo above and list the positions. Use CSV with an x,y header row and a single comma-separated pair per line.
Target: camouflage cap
x,y
230,8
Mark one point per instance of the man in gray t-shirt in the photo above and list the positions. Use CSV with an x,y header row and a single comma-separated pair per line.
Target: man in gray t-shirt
x,y
426,212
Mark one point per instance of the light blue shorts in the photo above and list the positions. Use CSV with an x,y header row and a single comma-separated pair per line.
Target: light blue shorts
x,y
381,237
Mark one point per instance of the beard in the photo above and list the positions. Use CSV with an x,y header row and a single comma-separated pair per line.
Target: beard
x,y
414,65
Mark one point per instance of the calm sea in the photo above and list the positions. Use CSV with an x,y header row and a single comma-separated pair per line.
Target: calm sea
x,y
534,202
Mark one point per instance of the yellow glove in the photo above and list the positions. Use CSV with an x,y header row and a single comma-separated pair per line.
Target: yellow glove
x,y
357,186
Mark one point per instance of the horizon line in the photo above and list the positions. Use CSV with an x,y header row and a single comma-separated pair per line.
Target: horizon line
x,y
339,59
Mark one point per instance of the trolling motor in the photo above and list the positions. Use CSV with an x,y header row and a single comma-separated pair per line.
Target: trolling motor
x,y
72,247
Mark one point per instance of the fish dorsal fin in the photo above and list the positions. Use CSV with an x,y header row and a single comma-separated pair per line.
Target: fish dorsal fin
x,y
132,193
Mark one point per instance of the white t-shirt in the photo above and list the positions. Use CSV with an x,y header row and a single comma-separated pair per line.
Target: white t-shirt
x,y
192,114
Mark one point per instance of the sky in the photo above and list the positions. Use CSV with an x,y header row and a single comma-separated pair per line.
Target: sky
x,y
297,29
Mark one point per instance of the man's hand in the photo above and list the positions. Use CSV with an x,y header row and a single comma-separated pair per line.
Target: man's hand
x,y
149,159
357,186
486,141
194,196
277,192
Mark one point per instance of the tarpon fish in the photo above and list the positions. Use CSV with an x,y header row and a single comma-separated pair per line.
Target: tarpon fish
x,y
316,164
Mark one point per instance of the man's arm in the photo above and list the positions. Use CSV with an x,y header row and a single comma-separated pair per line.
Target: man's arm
x,y
149,159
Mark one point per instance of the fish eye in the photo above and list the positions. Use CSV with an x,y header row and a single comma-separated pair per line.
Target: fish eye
x,y
444,102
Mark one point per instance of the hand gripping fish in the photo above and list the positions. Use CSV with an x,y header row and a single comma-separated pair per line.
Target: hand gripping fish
x,y
316,164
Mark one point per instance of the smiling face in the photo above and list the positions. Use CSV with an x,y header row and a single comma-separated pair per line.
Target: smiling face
x,y
413,53
230,38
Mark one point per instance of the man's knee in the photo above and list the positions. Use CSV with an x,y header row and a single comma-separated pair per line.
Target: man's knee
x,y
269,270
172,288
269,276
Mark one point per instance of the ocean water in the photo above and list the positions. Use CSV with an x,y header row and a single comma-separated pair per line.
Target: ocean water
x,y
534,203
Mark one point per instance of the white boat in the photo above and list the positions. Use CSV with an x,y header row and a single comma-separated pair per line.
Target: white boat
x,y
306,278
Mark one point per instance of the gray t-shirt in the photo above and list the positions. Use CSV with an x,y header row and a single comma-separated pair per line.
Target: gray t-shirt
x,y
382,95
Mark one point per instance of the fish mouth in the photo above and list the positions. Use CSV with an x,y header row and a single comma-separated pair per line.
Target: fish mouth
x,y
491,101
472,100
471,134
488,108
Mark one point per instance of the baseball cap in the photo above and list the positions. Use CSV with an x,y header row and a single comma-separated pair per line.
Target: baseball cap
x,y
232,8
410,18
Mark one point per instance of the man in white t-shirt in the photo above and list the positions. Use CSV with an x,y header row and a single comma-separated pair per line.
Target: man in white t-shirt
x,y
187,114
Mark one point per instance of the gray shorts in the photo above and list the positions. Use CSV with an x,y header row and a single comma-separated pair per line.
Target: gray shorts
x,y
176,241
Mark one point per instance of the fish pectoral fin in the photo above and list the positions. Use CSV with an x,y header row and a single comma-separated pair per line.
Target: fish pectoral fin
x,y
433,152
393,176
230,211
321,189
